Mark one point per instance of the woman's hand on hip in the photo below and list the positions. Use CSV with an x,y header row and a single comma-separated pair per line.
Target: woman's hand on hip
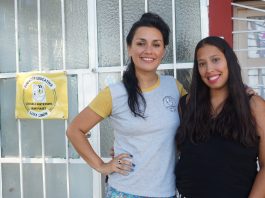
x,y
121,164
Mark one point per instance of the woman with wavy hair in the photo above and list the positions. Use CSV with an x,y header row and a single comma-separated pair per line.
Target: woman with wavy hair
x,y
143,110
222,132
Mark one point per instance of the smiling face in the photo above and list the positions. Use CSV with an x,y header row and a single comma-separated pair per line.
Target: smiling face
x,y
147,49
212,66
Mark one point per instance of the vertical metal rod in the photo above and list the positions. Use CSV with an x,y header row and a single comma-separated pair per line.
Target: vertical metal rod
x,y
43,158
63,33
16,35
39,35
65,122
204,18
174,37
121,36
20,160
18,121
67,162
41,121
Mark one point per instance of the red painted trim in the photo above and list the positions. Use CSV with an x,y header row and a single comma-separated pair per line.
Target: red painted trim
x,y
220,22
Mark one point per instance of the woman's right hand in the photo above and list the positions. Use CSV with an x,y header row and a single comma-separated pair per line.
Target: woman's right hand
x,y
121,164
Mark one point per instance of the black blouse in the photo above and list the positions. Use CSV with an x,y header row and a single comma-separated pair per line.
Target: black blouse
x,y
217,168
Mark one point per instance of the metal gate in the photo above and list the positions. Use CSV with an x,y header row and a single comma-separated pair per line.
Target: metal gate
x,y
84,38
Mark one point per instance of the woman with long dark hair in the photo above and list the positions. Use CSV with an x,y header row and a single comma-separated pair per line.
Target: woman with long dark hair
x,y
222,130
144,114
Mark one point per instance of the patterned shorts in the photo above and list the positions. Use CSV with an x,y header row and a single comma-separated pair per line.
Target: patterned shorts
x,y
113,193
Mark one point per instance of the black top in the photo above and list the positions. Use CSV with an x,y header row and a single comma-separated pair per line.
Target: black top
x,y
217,168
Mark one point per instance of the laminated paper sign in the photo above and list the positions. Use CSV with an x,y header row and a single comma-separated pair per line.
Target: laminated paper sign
x,y
41,96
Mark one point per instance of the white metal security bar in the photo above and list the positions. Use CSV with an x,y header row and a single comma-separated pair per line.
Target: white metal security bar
x,y
80,72
83,95
249,7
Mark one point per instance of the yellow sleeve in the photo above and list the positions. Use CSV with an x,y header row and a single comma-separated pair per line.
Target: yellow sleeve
x,y
102,103
181,89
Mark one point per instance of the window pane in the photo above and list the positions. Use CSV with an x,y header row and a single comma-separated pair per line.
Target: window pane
x,y
169,72
184,77
81,181
76,34
262,92
253,72
56,180
11,180
253,77
253,80
7,37
72,107
72,96
256,80
31,138
32,180
54,137
132,11
256,39
8,123
106,130
106,79
164,9
108,33
51,35
28,35
188,29
106,137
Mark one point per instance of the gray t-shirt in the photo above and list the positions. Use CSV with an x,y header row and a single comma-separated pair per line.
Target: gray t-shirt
x,y
149,140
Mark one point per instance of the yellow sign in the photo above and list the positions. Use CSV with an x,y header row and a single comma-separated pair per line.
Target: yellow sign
x,y
42,96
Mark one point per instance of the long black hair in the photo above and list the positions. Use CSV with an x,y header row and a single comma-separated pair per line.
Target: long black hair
x,y
235,120
136,101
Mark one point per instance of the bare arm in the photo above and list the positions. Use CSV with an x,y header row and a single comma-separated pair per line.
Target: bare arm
x,y
76,131
258,109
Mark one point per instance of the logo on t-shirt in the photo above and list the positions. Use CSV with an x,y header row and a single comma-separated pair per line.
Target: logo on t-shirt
x,y
170,103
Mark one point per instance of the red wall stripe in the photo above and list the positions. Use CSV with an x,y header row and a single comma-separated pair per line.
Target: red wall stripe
x,y
220,22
